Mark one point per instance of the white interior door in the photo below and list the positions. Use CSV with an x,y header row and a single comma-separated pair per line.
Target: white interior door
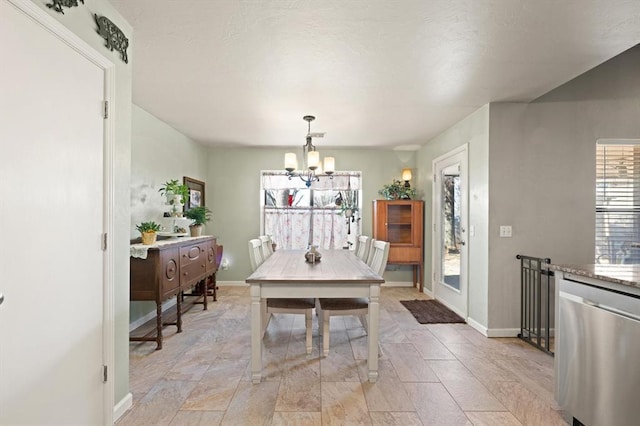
x,y
450,230
51,211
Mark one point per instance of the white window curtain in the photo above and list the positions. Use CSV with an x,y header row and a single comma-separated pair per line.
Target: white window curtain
x,y
617,201
296,216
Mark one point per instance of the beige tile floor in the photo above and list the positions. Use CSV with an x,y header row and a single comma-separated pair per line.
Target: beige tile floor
x,y
439,374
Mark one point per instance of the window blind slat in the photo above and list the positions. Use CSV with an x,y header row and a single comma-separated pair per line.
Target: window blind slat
x,y
617,202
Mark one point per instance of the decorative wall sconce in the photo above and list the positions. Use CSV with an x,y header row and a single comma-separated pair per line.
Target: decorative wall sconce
x,y
311,160
406,177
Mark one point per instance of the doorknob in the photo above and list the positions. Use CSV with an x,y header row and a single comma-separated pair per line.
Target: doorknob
x,y
462,243
1,298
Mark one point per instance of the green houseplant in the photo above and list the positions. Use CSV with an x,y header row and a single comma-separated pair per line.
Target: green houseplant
x,y
148,230
200,216
397,191
177,195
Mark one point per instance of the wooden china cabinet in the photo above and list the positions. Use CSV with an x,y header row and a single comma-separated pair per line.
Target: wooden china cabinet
x,y
400,222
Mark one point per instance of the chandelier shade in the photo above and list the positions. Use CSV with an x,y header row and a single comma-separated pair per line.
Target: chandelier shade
x,y
312,167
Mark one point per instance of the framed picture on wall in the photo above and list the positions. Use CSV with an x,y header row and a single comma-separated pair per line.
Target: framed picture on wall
x,y
196,193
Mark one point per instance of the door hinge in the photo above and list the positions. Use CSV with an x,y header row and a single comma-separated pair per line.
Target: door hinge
x,y
105,112
104,374
104,241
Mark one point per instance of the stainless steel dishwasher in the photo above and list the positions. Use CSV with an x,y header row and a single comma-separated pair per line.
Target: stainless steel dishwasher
x,y
598,353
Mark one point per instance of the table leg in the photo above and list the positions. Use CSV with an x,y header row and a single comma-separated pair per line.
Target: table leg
x,y
256,334
374,319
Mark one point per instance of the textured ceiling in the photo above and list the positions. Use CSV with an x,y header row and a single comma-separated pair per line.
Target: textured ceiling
x,y
375,73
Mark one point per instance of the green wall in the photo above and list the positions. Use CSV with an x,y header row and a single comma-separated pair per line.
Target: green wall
x,y
474,131
233,194
158,153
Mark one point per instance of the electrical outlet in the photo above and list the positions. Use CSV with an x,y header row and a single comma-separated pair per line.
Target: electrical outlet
x,y
505,231
224,265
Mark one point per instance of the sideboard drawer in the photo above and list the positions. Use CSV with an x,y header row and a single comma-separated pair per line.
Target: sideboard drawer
x,y
169,272
193,264
212,264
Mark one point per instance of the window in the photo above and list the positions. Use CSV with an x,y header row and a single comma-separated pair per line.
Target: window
x,y
617,201
296,216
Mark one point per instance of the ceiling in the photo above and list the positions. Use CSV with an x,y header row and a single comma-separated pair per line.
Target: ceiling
x,y
375,73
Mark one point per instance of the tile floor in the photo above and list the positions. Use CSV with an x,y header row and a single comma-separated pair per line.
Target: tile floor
x,y
436,374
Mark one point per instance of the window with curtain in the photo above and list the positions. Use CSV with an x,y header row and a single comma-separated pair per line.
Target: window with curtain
x,y
617,201
296,216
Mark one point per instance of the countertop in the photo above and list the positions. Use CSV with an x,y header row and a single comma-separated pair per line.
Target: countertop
x,y
621,274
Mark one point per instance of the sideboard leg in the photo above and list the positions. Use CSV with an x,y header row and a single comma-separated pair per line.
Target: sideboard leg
x,y
179,313
158,325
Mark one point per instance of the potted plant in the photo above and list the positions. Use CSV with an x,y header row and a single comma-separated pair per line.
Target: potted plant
x,y
177,195
397,191
148,230
200,216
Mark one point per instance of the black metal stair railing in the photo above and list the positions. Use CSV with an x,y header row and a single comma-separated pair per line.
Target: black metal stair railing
x,y
536,302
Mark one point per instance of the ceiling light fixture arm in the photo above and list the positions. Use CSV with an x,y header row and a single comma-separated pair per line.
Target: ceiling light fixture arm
x,y
310,159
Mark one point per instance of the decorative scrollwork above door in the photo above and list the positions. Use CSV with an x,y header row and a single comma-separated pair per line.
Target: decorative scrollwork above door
x,y
58,5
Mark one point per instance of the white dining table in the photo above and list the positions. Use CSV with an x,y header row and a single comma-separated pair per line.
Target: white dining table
x,y
340,273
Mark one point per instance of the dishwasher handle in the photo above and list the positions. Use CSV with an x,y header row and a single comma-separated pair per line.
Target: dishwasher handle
x,y
627,315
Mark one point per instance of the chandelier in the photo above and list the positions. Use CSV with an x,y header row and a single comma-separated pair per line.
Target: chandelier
x,y
311,169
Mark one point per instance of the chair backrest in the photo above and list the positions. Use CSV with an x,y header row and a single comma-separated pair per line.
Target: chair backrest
x,y
267,248
255,253
362,247
378,256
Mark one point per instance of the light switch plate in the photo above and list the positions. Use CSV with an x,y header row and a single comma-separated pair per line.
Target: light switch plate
x,y
505,231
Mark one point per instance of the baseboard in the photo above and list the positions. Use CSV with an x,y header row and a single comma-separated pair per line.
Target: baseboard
x,y
428,292
232,283
503,332
151,315
397,284
477,326
386,284
122,406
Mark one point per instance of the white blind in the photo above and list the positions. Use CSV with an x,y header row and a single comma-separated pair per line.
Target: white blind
x,y
617,202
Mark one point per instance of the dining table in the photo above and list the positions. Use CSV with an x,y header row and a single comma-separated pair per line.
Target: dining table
x,y
337,274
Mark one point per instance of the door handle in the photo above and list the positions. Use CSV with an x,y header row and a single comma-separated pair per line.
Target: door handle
x,y
1,298
462,243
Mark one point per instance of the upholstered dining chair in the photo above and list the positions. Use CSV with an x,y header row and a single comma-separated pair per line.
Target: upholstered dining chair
x,y
282,305
267,246
362,247
379,253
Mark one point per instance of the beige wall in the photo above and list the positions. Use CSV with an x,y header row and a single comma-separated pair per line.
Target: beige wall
x,y
80,21
233,185
542,174
532,166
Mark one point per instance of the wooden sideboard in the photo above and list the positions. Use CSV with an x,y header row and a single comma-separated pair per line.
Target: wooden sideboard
x,y
400,222
170,268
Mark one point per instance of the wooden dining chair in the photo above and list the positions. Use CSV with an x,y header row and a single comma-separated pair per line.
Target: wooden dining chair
x,y
267,246
362,247
282,305
255,253
326,308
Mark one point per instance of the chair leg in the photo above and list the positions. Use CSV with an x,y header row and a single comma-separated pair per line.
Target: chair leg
x,y
308,322
265,315
325,333
363,320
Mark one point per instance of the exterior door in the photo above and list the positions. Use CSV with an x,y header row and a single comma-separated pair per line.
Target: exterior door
x,y
450,230
51,210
